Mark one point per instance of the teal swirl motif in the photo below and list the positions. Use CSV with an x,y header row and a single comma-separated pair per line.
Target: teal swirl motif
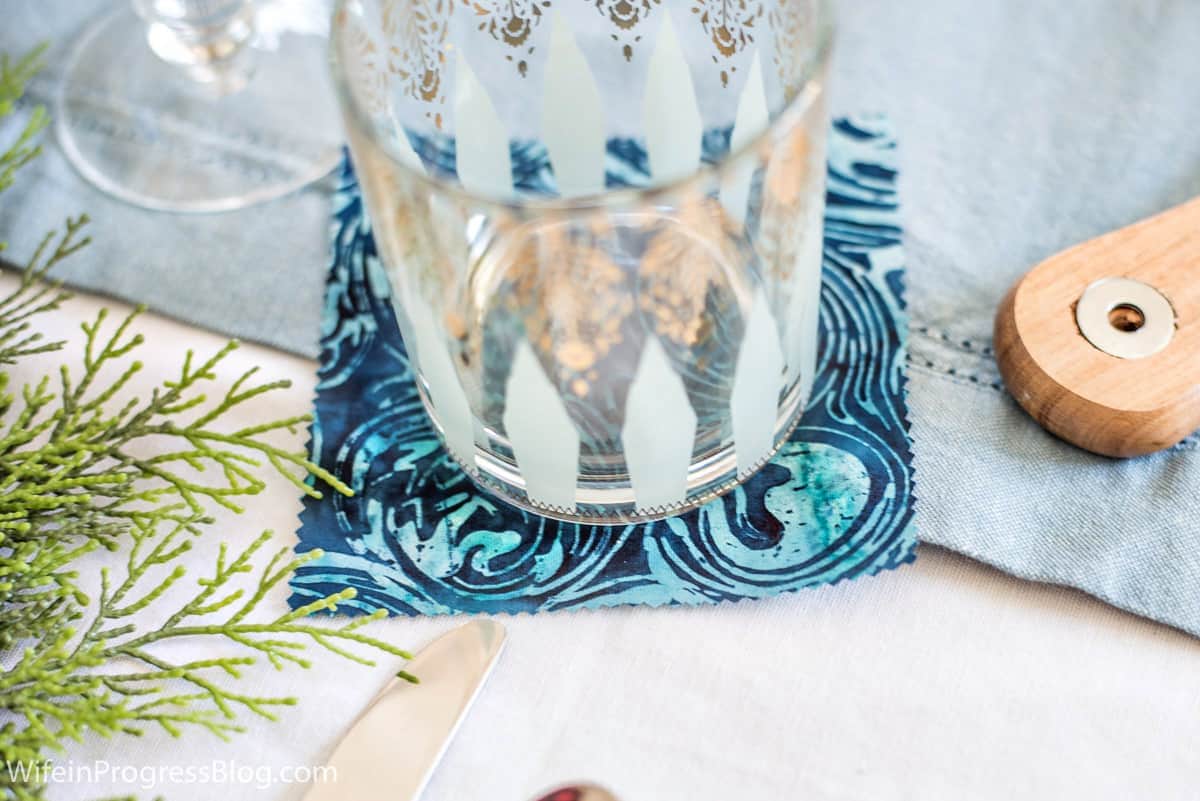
x,y
419,538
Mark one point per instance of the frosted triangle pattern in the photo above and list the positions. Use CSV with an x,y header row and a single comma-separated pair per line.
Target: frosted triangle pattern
x,y
618,55
668,76
758,380
673,126
719,38
483,161
445,391
805,308
544,441
752,119
573,118
506,42
659,432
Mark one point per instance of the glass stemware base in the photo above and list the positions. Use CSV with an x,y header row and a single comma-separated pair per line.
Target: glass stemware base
x,y
241,129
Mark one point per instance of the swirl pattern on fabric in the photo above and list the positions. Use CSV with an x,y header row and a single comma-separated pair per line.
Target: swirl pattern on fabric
x,y
419,538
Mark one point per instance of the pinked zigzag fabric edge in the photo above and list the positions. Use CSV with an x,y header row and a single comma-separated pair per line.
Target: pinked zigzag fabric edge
x,y
836,503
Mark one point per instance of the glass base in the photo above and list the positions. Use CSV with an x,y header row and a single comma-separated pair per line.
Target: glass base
x,y
203,138
612,502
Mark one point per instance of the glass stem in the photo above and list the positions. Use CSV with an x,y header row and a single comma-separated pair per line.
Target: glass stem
x,y
206,37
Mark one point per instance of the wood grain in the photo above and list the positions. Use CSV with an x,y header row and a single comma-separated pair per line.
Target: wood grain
x,y
1112,406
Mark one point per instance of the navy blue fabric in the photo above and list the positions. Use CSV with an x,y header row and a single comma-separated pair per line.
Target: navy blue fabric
x,y
419,538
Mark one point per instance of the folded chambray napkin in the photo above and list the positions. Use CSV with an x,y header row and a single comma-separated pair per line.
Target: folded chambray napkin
x,y
419,538
1028,126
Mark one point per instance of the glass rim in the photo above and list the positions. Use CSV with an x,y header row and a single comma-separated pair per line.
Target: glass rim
x,y
793,106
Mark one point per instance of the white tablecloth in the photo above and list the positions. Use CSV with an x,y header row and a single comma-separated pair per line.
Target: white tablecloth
x,y
945,679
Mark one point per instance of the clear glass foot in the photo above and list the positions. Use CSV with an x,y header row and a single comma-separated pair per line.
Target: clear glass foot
x,y
201,105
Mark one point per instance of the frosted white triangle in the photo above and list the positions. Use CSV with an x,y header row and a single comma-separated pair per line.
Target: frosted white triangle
x,y
445,392
481,139
717,74
619,56
673,127
511,74
544,441
448,220
572,116
659,433
804,310
757,380
402,148
400,304
779,53
752,119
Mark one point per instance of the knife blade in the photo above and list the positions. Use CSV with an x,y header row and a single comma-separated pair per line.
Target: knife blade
x,y
390,752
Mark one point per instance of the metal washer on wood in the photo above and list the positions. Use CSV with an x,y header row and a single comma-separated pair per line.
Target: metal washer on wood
x,y
1101,297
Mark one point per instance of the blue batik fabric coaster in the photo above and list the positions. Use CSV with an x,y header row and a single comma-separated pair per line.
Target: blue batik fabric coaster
x,y
418,538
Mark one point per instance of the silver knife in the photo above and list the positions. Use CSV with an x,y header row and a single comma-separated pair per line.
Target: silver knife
x,y
391,750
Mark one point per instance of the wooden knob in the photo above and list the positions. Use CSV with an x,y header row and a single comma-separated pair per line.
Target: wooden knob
x,y
1101,343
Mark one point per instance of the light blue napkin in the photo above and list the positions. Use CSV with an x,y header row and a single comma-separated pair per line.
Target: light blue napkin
x,y
1027,126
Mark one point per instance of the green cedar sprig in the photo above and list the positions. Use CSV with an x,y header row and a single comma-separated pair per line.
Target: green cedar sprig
x,y
81,472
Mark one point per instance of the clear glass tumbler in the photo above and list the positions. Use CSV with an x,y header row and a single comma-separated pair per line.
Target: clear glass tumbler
x,y
602,222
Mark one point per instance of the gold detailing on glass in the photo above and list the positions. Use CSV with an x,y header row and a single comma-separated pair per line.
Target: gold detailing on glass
x,y
510,22
730,25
